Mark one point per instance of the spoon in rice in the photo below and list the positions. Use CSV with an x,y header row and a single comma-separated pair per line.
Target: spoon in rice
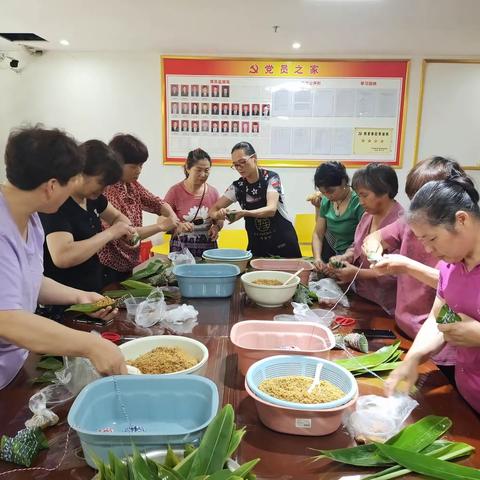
x,y
293,275
316,378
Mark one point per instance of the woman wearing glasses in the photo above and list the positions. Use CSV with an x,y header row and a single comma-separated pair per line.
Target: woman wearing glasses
x,y
260,195
190,200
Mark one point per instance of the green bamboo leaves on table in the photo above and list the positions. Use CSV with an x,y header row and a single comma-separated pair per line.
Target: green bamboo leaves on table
x,y
382,360
207,462
416,448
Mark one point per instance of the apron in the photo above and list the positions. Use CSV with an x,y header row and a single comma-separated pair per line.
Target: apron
x,y
272,236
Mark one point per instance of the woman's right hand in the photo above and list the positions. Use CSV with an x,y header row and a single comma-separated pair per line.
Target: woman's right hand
x,y
220,215
320,266
121,229
106,357
184,227
372,245
403,378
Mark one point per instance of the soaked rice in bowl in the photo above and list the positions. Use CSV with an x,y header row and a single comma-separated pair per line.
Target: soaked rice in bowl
x,y
295,389
162,360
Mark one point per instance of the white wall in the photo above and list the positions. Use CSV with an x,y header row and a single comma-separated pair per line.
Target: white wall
x,y
95,95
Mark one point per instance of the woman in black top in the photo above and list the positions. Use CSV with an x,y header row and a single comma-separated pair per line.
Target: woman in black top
x,y
74,233
260,195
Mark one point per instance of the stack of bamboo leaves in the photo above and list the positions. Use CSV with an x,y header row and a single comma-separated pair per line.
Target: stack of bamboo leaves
x,y
417,448
384,359
207,462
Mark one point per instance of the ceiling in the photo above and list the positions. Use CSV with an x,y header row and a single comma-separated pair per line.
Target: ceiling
x,y
244,27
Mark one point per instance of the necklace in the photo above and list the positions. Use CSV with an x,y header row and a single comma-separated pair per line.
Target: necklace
x,y
337,205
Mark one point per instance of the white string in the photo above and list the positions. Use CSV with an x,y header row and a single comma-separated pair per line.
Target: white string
x,y
43,469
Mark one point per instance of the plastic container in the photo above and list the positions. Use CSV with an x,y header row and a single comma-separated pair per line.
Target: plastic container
x,y
257,339
269,295
204,280
171,410
139,346
232,256
300,422
284,265
131,304
286,365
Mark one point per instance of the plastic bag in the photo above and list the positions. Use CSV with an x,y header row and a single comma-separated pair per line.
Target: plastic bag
x,y
328,292
180,314
152,310
376,419
42,416
303,313
184,257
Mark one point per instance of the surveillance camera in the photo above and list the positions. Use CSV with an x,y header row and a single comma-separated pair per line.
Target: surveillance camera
x,y
14,63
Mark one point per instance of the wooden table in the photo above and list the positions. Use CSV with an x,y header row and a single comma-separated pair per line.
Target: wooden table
x,y
282,456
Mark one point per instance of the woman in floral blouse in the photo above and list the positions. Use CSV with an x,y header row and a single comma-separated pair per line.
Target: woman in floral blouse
x,y
132,199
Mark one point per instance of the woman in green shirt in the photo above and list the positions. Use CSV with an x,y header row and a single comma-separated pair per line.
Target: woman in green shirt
x,y
339,213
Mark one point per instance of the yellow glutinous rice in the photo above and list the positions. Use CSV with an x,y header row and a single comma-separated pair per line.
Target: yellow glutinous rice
x,y
164,360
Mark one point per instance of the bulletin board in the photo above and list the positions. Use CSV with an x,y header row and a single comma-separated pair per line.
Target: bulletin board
x,y
449,112
295,112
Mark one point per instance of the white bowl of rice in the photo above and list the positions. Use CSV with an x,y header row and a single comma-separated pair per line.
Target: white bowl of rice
x,y
166,355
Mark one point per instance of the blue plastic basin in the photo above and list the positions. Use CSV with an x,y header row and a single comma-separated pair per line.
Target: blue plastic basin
x,y
227,254
206,280
171,410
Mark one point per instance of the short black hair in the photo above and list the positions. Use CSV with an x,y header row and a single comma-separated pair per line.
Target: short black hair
x,y
330,174
34,155
246,147
194,156
130,149
378,178
102,160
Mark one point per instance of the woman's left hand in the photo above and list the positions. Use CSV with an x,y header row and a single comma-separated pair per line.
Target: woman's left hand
x,y
345,274
213,232
105,314
238,215
462,334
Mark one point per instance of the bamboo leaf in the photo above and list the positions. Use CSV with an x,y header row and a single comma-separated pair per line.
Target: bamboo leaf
x,y
135,285
166,473
425,465
185,466
413,438
188,449
246,468
171,460
235,440
213,449
50,363
369,360
441,449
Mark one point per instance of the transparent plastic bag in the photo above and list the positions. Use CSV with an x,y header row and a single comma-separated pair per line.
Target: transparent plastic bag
x,y
42,416
184,257
376,419
303,313
180,314
328,292
152,310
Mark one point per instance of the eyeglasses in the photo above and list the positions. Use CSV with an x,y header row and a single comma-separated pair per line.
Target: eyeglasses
x,y
241,163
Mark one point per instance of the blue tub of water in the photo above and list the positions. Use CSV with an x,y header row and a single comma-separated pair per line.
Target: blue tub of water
x,y
170,410
227,254
206,279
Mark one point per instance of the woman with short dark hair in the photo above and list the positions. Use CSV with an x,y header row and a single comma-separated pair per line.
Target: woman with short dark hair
x,y
445,217
42,168
376,186
74,233
132,199
339,213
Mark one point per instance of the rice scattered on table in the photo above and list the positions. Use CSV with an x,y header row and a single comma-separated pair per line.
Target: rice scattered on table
x,y
295,389
164,360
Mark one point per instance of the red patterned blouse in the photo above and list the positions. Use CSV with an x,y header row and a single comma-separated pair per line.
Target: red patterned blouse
x,y
131,199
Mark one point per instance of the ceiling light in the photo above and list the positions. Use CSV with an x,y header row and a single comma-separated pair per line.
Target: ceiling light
x,y
65,43
296,45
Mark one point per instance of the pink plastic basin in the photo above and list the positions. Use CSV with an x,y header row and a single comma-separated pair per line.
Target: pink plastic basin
x,y
257,339
300,422
284,265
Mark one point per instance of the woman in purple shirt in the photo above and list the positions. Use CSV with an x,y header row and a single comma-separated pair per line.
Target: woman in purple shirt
x,y
42,168
445,217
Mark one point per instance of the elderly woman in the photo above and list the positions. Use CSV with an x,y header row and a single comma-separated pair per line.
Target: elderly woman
x,y
260,195
42,168
376,186
339,214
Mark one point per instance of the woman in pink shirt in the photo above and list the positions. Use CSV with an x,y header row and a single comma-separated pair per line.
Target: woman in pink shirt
x,y
376,186
191,199
445,217
415,267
